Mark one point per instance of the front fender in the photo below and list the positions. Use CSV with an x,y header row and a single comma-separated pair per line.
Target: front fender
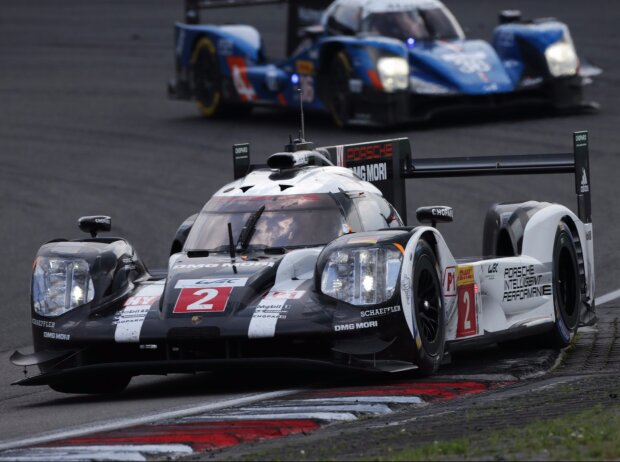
x,y
447,267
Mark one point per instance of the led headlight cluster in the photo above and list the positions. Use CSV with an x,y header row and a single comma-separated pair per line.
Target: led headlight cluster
x,y
361,276
562,58
394,73
60,285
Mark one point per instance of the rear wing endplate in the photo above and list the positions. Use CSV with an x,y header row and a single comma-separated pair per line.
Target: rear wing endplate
x,y
387,164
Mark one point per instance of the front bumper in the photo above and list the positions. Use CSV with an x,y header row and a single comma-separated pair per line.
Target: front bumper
x,y
380,109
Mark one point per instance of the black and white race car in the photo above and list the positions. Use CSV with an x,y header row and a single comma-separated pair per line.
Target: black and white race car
x,y
308,261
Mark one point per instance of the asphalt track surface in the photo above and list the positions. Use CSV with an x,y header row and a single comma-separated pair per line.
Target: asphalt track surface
x,y
85,128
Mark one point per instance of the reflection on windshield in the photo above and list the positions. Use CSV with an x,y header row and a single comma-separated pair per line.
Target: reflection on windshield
x,y
290,228
420,24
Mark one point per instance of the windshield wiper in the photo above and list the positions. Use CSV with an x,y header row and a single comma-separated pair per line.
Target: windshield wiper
x,y
248,229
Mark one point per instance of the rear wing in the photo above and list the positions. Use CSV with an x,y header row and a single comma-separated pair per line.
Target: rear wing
x,y
301,14
387,164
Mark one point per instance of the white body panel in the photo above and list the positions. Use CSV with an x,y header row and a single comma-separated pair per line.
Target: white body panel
x,y
500,294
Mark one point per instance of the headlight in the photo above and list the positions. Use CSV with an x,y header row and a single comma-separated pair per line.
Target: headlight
x,y
60,284
394,73
562,59
361,276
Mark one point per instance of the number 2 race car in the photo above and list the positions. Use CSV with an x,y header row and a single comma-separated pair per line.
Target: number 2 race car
x,y
376,62
304,262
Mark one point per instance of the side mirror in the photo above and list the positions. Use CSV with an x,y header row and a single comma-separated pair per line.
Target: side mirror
x,y
94,224
434,214
508,16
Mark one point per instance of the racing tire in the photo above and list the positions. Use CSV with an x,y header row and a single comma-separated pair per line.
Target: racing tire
x,y
92,385
338,93
566,288
206,78
428,310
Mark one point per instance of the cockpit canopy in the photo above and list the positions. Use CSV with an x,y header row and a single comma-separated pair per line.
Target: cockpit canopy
x,y
404,20
287,221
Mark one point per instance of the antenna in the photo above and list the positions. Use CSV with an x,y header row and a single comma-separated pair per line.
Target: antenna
x,y
302,134
300,144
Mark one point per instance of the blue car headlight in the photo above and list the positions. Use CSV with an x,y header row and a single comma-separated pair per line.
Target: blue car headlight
x,y
562,58
361,276
393,73
60,285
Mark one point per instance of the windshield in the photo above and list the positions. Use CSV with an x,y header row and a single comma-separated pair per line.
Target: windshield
x,y
287,221
419,24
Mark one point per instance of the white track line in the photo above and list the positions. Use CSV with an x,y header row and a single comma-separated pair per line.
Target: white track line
x,y
130,422
607,297
134,453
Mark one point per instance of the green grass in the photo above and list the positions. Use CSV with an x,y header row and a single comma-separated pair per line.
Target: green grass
x,y
592,434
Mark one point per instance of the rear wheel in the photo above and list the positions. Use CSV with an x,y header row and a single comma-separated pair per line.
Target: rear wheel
x,y
338,93
207,83
566,287
428,310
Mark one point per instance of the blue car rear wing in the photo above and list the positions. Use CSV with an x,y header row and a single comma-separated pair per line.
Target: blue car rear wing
x,y
388,163
301,14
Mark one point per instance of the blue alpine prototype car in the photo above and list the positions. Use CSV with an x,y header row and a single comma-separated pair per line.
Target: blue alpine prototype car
x,y
376,62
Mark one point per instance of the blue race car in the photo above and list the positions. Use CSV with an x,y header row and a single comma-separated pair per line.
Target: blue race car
x,y
375,62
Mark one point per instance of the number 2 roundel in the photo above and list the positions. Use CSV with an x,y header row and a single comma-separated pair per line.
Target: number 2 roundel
x,y
202,300
466,292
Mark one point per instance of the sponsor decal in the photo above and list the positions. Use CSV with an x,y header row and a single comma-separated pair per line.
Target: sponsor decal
x,y
305,67
242,264
405,286
225,47
129,320
588,235
356,326
449,281
285,294
371,172
210,282
340,156
377,151
584,188
522,282
241,150
465,275
491,269
141,300
57,336
204,300
40,323
265,317
467,323
581,139
468,62
442,212
239,72
380,311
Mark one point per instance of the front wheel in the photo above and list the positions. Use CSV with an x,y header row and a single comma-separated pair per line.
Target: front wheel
x,y
428,310
207,81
